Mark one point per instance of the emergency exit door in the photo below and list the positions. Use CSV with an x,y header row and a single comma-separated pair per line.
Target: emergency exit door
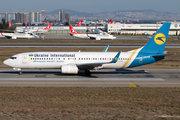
x,y
24,59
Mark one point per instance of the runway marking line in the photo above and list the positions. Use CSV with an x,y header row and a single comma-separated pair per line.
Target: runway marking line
x,y
133,85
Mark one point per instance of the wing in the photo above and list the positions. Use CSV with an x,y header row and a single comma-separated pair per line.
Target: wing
x,y
84,66
34,34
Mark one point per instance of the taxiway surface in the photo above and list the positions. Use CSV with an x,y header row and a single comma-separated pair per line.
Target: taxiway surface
x,y
20,45
105,78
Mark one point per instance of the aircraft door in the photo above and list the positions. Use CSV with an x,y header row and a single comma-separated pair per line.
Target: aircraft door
x,y
24,58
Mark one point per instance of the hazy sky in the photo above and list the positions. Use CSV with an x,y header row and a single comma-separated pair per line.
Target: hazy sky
x,y
90,6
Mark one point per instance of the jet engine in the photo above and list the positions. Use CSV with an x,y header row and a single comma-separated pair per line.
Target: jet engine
x,y
69,69
14,38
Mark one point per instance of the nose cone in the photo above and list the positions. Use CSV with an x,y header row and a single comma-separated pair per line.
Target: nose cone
x,y
6,62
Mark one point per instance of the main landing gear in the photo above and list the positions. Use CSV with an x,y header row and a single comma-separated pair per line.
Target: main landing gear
x,y
88,73
20,72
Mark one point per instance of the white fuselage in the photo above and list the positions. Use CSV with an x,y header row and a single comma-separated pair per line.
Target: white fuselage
x,y
57,59
102,36
32,29
80,35
18,35
95,36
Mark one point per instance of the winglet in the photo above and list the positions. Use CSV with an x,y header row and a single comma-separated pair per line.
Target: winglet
x,y
115,59
106,49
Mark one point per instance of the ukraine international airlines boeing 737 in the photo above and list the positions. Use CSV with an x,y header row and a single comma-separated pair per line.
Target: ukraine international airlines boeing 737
x,y
72,62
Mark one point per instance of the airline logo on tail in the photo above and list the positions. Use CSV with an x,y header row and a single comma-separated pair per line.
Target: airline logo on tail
x,y
48,27
2,33
160,38
80,23
72,30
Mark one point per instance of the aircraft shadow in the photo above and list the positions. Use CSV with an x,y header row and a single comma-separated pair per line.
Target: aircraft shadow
x,y
81,73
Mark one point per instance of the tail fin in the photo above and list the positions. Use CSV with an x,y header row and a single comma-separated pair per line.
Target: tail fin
x,y
10,24
48,27
73,30
157,43
26,22
80,23
110,22
44,20
1,33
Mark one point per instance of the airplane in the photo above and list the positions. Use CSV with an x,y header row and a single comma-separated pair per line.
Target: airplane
x,y
76,34
101,35
27,33
18,35
73,62
40,29
32,29
98,36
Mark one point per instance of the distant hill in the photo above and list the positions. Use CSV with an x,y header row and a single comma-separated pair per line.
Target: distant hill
x,y
117,15
71,12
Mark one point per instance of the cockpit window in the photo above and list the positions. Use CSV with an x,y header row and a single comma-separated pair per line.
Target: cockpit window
x,y
12,57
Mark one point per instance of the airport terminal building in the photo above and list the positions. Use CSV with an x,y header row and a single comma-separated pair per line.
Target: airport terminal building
x,y
134,29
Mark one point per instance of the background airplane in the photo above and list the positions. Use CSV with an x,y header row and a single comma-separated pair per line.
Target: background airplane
x,y
18,35
32,29
26,33
76,34
97,36
72,62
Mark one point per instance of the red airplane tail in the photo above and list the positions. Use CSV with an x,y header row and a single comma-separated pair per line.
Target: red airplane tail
x,y
26,22
10,24
80,23
2,33
110,22
48,27
44,20
73,30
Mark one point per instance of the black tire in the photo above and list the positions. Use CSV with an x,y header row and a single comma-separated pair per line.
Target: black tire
x,y
88,73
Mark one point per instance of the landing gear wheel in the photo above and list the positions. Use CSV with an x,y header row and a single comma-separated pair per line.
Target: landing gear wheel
x,y
88,73
20,72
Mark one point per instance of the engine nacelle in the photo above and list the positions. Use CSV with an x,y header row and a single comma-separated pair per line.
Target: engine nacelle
x,y
69,69
14,38
98,38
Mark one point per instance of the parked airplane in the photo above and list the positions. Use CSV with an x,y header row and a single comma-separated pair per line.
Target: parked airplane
x,y
18,35
72,62
25,33
32,29
76,34
40,29
98,36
